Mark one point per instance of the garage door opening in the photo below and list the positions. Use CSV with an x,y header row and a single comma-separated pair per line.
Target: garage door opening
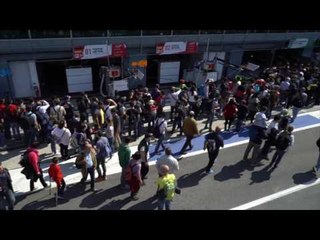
x,y
52,78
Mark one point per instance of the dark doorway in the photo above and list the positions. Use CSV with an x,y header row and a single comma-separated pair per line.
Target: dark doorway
x,y
262,58
282,56
52,78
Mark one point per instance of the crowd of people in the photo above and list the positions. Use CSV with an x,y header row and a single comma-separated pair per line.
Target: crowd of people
x,y
95,128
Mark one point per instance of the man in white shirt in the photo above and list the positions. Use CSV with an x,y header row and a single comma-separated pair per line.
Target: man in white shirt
x,y
168,160
160,131
272,132
62,135
173,97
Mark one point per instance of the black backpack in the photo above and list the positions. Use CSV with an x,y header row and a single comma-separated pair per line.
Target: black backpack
x,y
25,121
24,162
283,141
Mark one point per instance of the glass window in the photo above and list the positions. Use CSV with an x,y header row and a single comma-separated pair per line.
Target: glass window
x,y
89,33
50,33
115,33
156,32
13,34
185,32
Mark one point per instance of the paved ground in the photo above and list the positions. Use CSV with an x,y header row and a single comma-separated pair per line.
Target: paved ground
x,y
233,183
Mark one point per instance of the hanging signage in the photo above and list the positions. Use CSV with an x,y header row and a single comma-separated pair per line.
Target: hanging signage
x,y
119,50
176,48
99,51
120,85
298,43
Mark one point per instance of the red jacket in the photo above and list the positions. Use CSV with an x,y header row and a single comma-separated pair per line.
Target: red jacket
x,y
33,156
229,111
55,172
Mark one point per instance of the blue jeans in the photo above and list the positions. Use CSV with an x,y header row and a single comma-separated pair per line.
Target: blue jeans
x,y
10,198
15,130
164,203
110,140
160,140
2,139
239,123
295,112
89,171
211,116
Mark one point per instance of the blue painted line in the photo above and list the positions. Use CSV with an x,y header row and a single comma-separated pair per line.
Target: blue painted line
x,y
229,137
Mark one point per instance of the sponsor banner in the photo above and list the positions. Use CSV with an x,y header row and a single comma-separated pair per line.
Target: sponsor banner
x,y
298,43
176,48
100,51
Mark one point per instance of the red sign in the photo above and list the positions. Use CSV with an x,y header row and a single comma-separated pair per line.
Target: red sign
x,y
119,50
192,47
78,52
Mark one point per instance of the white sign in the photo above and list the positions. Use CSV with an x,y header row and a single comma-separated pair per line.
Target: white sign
x,y
120,85
251,66
298,43
169,72
174,47
92,51
79,79
213,75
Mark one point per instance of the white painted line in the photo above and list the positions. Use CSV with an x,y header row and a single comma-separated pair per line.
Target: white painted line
x,y
277,195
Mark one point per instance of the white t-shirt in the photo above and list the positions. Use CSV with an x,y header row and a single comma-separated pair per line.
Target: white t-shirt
x,y
169,160
63,135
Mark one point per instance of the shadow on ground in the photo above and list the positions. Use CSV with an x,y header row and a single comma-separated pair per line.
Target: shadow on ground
x,y
148,204
304,178
192,179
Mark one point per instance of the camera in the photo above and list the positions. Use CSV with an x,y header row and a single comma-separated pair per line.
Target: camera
x,y
177,190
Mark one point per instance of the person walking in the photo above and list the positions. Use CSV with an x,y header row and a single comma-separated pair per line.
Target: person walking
x,y
6,189
317,166
166,188
124,154
213,142
190,129
284,140
56,174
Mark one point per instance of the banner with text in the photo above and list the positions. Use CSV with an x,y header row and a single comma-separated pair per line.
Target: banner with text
x,y
100,51
176,47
